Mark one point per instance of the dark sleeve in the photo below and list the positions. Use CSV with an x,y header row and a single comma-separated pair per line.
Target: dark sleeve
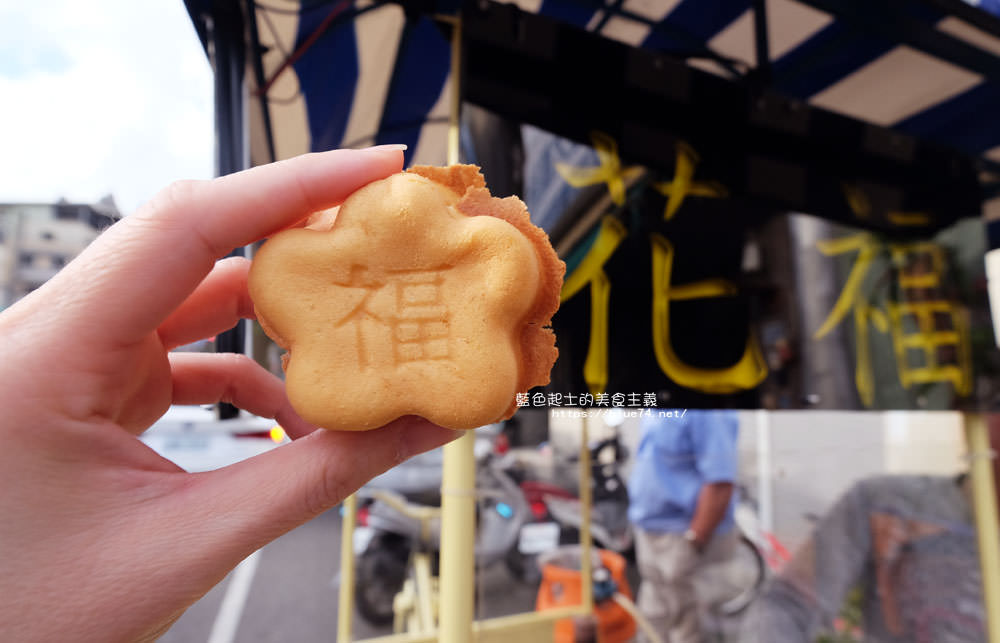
x,y
810,591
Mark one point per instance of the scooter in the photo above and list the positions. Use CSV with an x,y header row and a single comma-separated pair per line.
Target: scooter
x,y
541,533
396,527
560,522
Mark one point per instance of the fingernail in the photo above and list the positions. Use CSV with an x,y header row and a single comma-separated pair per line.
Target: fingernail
x,y
391,147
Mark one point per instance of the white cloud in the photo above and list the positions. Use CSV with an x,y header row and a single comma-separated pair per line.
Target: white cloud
x,y
112,96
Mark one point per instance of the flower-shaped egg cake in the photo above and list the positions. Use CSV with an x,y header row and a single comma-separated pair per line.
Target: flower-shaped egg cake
x,y
424,295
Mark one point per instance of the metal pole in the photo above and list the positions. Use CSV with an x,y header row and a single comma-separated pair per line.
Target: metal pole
x,y
586,504
458,531
455,100
345,602
761,42
229,61
764,488
458,484
425,587
987,529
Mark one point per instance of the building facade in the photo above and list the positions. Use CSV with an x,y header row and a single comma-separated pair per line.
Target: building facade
x,y
38,239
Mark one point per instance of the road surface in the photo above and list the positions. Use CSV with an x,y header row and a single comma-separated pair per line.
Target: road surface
x,y
290,594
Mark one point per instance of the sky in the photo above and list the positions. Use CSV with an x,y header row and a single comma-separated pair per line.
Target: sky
x,y
101,97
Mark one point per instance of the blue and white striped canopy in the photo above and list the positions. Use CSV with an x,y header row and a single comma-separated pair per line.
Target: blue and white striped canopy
x,y
349,73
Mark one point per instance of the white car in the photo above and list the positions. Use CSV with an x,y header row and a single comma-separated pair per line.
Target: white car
x,y
194,438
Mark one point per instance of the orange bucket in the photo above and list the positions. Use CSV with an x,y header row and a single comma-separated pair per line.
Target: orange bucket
x,y
562,586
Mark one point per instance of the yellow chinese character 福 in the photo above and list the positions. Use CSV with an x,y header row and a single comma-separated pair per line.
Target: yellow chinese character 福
x,y
929,332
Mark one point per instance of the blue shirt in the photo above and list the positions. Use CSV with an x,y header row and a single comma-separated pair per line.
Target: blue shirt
x,y
676,457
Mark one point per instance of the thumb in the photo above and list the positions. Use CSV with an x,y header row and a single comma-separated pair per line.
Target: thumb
x,y
251,503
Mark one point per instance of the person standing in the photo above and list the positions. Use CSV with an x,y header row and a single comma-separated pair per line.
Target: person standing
x,y
681,502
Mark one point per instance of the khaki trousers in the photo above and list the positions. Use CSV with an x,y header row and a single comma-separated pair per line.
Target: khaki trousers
x,y
668,565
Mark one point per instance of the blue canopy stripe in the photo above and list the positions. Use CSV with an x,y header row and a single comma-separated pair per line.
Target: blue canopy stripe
x,y
704,20
967,121
573,12
833,53
328,75
689,26
422,66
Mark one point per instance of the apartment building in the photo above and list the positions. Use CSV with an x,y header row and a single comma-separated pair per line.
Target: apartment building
x,y
37,239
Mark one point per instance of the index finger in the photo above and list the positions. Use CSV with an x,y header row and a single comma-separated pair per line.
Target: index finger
x,y
145,265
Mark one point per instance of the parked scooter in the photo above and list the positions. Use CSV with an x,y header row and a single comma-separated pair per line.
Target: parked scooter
x,y
395,526
560,523
539,533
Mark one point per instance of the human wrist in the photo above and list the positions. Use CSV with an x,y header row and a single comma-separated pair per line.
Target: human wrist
x,y
695,538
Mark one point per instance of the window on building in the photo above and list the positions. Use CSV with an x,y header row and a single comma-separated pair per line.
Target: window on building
x,y
67,211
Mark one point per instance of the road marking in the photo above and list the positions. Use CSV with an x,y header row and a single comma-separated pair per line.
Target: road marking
x,y
228,618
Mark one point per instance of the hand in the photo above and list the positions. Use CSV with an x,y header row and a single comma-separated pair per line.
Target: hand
x,y
101,538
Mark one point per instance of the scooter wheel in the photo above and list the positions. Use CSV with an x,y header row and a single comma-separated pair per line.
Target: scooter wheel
x,y
523,567
379,576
